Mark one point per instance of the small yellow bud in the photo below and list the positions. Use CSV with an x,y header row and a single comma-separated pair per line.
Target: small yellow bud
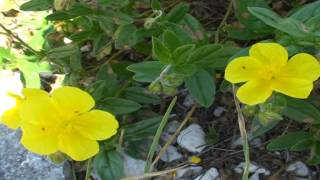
x,y
195,159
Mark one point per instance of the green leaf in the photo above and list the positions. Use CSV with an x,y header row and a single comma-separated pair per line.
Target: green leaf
x,y
307,11
196,30
182,54
141,95
185,69
213,55
144,129
124,36
155,5
77,10
160,51
171,40
177,13
146,71
301,111
37,5
204,53
288,25
109,165
119,106
181,33
289,141
248,22
63,51
201,87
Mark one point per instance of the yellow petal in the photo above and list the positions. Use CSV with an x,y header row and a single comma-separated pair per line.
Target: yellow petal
x,y
96,125
31,92
39,139
11,116
39,110
242,69
254,92
302,66
77,146
72,100
271,54
297,88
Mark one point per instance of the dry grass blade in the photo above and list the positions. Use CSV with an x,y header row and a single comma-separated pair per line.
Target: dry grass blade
x,y
149,175
244,136
173,137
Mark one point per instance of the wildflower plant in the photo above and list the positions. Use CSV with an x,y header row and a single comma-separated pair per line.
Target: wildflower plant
x,y
119,68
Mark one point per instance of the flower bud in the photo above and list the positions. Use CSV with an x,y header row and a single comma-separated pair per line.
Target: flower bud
x,y
269,116
57,158
170,91
155,87
173,80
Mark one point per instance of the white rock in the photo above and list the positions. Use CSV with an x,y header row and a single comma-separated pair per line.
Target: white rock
x,y
263,171
218,111
192,138
211,174
67,40
187,172
239,168
188,101
299,168
171,154
254,176
254,169
132,166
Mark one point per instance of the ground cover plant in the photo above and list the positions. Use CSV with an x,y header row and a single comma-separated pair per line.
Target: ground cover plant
x,y
102,79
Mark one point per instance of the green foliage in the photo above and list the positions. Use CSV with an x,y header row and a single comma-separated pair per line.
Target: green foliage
x,y
109,165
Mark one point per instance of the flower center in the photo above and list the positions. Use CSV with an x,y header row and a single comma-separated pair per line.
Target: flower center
x,y
268,73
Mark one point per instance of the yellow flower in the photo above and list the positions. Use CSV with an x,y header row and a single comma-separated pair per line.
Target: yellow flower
x,y
63,121
10,117
267,69
10,98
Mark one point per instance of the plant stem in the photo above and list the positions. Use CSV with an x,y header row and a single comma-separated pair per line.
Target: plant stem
x,y
244,136
173,137
21,41
88,172
223,22
148,167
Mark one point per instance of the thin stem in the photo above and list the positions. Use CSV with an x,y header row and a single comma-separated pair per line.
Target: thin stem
x,y
74,176
21,41
244,136
148,167
88,172
223,22
173,137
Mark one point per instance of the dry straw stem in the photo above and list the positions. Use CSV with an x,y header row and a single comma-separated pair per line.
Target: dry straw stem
x,y
244,136
149,175
173,137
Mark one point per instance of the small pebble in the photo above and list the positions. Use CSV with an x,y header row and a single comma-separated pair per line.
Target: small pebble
x,y
171,154
219,111
192,138
211,174
132,166
298,168
187,173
